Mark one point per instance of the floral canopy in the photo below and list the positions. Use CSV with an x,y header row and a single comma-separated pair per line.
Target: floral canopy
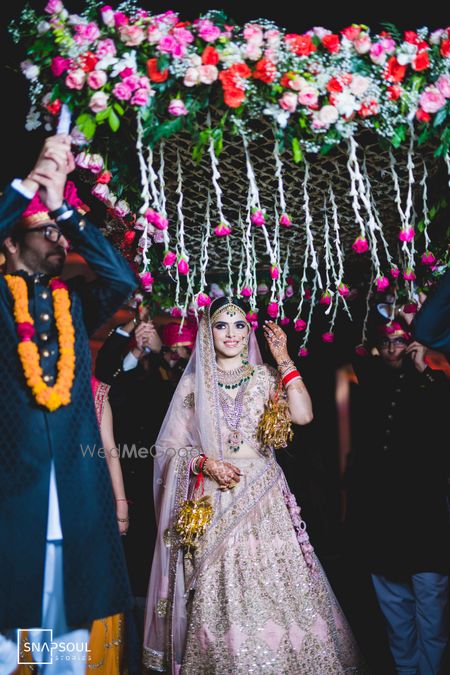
x,y
264,161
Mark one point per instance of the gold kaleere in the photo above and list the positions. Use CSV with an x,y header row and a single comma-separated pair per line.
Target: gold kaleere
x,y
194,517
275,425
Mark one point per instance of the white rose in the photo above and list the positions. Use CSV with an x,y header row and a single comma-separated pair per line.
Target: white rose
x,y
191,77
359,85
208,74
328,114
346,103
98,102
43,27
195,60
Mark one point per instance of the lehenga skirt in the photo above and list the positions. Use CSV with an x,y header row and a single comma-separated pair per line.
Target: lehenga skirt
x,y
256,604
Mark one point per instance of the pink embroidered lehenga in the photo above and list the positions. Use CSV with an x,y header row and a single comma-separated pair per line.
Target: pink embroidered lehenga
x,y
254,598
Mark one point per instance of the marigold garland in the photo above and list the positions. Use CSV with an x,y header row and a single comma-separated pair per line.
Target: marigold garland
x,y
59,394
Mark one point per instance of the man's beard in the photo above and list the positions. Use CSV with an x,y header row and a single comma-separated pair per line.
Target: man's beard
x,y
52,263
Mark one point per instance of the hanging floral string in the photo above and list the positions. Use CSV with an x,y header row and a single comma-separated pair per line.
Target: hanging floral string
x,y
145,193
279,175
283,282
206,233
328,263
367,314
223,222
308,230
303,347
303,281
426,217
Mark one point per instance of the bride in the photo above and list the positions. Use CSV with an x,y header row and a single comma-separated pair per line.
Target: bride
x,y
252,597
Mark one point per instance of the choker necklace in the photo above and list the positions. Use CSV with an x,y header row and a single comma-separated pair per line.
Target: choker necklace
x,y
232,379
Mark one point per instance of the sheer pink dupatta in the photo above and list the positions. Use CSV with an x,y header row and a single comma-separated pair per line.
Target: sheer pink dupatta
x,y
191,426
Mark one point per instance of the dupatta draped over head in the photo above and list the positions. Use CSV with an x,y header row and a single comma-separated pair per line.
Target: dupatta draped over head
x,y
191,426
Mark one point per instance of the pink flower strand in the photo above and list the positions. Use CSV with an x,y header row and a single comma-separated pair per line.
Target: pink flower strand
x,y
258,218
360,245
222,230
406,233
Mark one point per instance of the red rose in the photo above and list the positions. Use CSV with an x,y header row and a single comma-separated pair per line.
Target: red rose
x,y
334,85
445,47
182,24
25,331
265,71
368,108
104,177
394,92
154,74
346,78
129,236
88,62
331,42
286,78
394,72
423,116
54,108
301,45
411,37
234,97
421,61
210,56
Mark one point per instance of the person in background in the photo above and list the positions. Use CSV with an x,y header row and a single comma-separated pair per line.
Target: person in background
x,y
431,325
397,514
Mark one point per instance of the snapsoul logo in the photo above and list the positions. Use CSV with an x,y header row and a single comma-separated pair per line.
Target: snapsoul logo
x,y
39,644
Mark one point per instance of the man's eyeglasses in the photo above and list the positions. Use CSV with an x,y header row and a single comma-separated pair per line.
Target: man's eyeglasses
x,y
395,342
50,232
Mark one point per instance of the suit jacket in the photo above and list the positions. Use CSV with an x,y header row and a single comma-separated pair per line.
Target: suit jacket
x,y
432,324
95,579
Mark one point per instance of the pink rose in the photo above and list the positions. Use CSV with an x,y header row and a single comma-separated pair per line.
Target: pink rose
x,y
207,30
203,300
325,299
382,283
147,281
378,53
222,230
131,81
303,352
308,96
53,7
288,101
156,219
343,290
394,272
258,217
299,325
176,312
122,92
183,267
75,79
443,84
25,331
140,97
274,272
285,320
120,19
428,258
360,350
122,208
208,74
97,79
101,191
154,34
327,337
360,245
431,99
167,44
273,309
246,292
253,51
98,102
362,43
86,33
96,163
106,48
177,107
285,220
82,160
183,35
406,233
107,13
289,292
253,33
191,77
169,258
132,35
409,275
59,65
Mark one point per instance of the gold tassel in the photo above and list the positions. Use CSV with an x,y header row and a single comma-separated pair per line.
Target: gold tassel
x,y
275,425
193,519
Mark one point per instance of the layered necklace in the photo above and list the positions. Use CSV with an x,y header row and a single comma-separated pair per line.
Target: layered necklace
x,y
232,408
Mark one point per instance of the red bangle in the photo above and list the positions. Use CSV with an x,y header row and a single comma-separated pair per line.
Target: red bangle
x,y
290,376
201,463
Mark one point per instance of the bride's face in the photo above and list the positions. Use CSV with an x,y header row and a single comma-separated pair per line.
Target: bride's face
x,y
230,333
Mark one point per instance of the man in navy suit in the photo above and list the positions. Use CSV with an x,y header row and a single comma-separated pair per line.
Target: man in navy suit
x,y
61,561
